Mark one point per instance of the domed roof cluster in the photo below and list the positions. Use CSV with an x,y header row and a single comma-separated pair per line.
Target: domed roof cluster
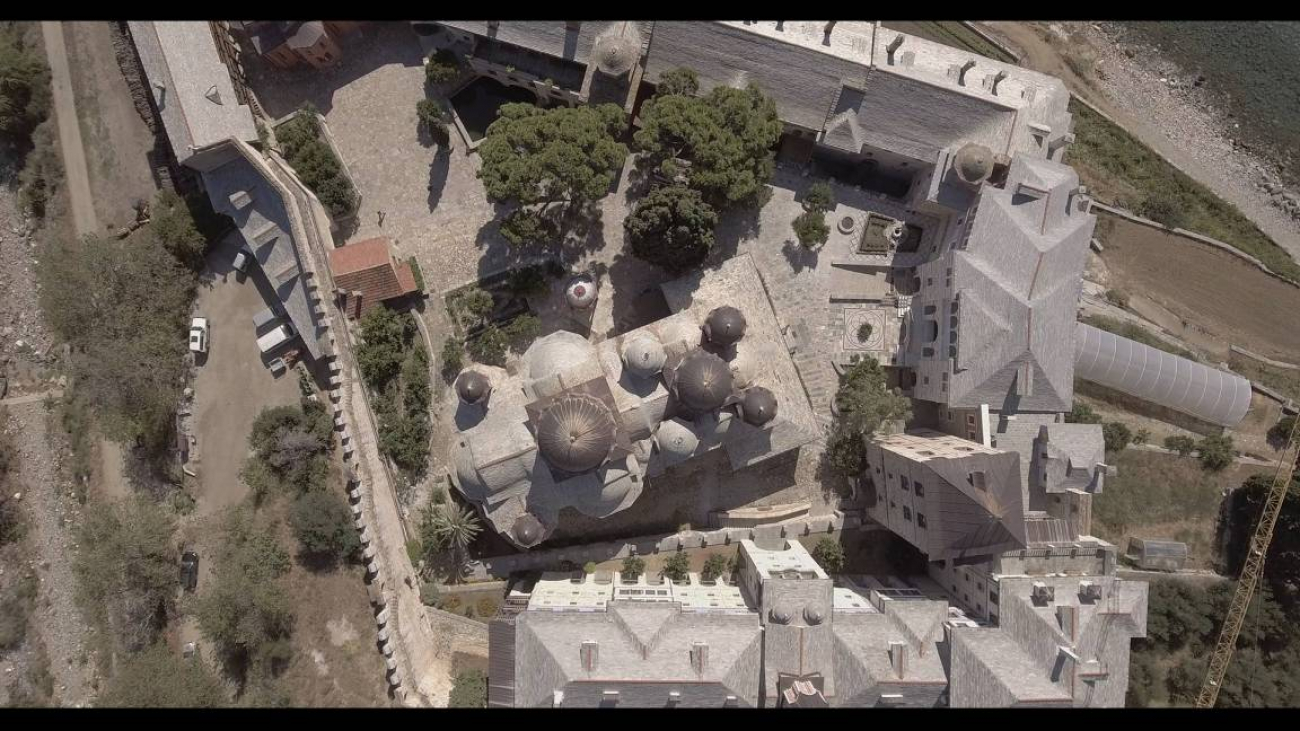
x,y
724,325
576,433
974,163
702,381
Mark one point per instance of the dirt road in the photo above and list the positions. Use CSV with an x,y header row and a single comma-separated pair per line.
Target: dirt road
x,y
49,508
65,112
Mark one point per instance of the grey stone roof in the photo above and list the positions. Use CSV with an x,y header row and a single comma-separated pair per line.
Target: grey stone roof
x,y
1004,301
264,224
190,85
642,650
551,37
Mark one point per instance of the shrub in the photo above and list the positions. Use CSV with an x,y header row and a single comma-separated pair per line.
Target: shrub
x,y
677,566
486,607
522,331
453,358
714,567
315,163
527,227
1216,453
820,198
1141,436
24,84
1163,208
829,554
672,227
1116,435
323,525
682,81
404,438
442,66
468,690
1183,445
1281,431
633,566
589,567
1117,298
414,551
172,223
1082,414
864,332
42,170
526,281
433,118
289,444
158,678
381,350
471,304
489,346
429,594
811,229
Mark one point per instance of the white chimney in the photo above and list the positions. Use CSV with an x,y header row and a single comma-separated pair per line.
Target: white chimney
x,y
898,657
700,657
590,655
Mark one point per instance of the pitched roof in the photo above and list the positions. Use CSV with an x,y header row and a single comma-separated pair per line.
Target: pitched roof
x,y
368,267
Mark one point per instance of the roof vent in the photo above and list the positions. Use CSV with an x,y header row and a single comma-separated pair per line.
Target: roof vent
x,y
213,95
898,658
1089,592
1043,594
979,480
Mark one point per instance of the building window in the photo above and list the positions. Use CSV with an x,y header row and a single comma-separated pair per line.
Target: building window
x,y
902,482
925,380
993,618
993,598
979,586
920,520
907,514
970,419
920,489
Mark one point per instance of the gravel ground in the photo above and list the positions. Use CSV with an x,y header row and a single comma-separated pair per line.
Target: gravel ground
x,y
1183,123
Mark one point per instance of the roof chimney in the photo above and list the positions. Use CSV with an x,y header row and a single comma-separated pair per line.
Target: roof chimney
x,y
1042,593
700,657
898,657
780,25
961,74
998,80
590,655
893,46
826,39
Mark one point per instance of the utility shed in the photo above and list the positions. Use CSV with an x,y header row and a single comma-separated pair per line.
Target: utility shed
x,y
1152,555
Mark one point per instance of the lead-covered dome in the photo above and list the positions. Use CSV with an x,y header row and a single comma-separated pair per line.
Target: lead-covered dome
x,y
702,381
757,406
643,355
676,440
527,530
556,353
472,387
618,48
724,325
974,163
575,433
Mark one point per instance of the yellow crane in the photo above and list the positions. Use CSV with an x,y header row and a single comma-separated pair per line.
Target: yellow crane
x,y
1250,572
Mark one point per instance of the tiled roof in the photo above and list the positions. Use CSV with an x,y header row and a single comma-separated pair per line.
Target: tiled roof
x,y
367,267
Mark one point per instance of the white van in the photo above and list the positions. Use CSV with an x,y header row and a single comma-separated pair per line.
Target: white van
x,y
276,337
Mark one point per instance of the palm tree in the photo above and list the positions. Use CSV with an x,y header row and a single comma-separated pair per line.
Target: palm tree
x,y
449,527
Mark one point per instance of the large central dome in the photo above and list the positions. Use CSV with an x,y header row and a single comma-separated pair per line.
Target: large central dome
x,y
575,433
702,381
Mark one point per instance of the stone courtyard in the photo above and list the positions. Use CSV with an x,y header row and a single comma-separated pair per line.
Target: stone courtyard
x,y
427,199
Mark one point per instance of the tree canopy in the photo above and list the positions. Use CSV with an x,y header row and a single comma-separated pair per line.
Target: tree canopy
x,y
290,448
567,155
158,678
672,227
864,403
681,80
323,525
829,554
726,136
24,84
468,690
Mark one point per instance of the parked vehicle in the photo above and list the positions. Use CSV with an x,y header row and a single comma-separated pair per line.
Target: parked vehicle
x,y
199,335
277,337
242,258
189,570
267,316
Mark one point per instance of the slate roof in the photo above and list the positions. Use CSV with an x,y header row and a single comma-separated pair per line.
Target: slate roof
x,y
368,267
190,85
551,37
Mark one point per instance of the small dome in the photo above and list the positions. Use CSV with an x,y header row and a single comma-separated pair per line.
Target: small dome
x,y
472,387
974,163
527,530
580,292
556,353
725,325
781,614
676,440
702,381
575,433
617,49
757,406
643,355
812,615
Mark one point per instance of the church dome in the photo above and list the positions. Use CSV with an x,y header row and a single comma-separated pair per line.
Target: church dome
x,y
676,440
974,163
617,49
575,433
556,353
702,381
757,406
580,293
643,355
472,387
725,325
527,530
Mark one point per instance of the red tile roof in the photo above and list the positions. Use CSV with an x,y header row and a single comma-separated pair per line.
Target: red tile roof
x,y
368,267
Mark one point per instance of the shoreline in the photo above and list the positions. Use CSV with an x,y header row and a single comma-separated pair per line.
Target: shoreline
x,y
1159,103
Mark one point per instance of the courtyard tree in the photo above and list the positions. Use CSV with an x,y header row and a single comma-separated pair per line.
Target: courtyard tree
x,y
672,227
384,335
528,227
633,566
714,566
726,138
433,118
811,229
820,198
323,525
863,404
448,527
829,554
681,80
540,157
677,566
315,163
442,66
